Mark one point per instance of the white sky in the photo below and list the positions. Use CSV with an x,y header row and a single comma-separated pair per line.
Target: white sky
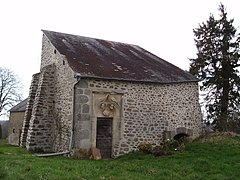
x,y
163,27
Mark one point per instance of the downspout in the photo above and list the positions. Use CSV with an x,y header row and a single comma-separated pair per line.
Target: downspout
x,y
73,118
51,154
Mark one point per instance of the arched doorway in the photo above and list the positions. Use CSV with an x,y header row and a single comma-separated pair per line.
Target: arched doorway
x,y
181,137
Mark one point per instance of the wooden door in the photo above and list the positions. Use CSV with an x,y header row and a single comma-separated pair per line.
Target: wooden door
x,y
104,137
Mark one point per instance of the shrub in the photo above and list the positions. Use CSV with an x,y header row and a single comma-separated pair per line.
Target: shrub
x,y
169,146
158,151
81,153
145,147
181,147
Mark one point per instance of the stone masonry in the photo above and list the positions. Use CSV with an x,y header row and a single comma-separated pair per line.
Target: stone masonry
x,y
51,92
148,110
28,112
40,136
63,109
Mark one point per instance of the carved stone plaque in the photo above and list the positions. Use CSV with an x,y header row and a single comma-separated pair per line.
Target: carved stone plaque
x,y
108,105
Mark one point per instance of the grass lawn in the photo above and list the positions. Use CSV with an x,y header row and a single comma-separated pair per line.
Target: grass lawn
x,y
211,158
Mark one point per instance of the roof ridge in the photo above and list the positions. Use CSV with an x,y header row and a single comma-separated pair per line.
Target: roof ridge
x,y
89,37
21,106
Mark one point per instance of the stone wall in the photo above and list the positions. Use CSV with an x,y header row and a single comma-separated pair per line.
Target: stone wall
x,y
82,116
28,112
15,127
49,53
4,126
64,90
147,111
40,132
48,118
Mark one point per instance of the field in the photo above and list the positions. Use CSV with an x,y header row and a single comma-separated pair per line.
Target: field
x,y
216,157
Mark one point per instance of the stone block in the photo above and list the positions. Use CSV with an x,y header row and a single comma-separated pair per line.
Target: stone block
x,y
80,153
84,134
190,132
83,84
86,125
87,92
166,135
95,154
85,108
84,143
77,108
181,130
79,91
84,117
82,99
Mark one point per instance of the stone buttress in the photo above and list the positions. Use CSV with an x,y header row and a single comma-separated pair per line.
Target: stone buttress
x,y
37,131
28,112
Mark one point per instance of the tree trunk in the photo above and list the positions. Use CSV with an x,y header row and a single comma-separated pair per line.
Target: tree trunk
x,y
225,98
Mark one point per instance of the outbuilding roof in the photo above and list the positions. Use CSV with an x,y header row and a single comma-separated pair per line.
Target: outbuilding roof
x,y
20,107
96,58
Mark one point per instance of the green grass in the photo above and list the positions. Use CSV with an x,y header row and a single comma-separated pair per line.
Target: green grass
x,y
209,158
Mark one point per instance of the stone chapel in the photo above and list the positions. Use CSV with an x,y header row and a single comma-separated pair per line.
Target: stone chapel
x,y
109,95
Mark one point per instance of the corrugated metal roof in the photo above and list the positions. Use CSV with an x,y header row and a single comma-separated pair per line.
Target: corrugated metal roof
x,y
20,107
97,58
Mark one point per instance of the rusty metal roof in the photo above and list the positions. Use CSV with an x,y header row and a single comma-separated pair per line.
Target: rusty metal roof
x,y
96,58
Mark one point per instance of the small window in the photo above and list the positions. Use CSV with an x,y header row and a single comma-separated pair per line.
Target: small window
x,y
55,51
13,130
63,62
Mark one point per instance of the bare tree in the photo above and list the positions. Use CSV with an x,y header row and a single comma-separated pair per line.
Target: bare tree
x,y
10,90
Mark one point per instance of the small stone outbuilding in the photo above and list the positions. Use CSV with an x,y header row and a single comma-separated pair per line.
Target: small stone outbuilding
x,y
16,122
4,129
110,95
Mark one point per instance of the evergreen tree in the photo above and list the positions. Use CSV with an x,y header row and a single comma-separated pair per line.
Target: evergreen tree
x,y
217,66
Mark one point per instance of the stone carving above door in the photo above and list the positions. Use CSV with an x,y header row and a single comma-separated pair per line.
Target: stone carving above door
x,y
108,105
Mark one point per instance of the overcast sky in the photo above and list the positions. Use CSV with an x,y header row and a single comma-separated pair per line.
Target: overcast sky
x,y
163,27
